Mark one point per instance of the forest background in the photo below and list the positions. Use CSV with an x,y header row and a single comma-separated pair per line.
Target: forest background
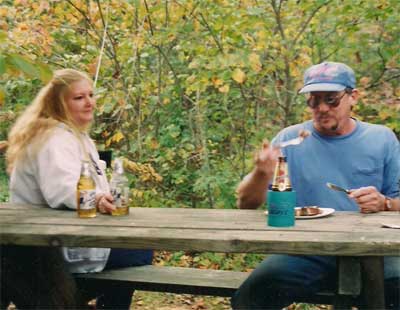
x,y
188,89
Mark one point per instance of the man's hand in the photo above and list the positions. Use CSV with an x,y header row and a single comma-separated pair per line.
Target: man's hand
x,y
265,159
252,190
369,199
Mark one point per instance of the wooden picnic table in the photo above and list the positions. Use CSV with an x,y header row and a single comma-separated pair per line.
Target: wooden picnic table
x,y
351,236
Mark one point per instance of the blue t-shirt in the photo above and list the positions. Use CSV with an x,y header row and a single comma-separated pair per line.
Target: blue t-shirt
x,y
368,156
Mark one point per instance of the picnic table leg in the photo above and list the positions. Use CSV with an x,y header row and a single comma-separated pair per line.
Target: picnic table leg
x,y
36,278
348,282
373,282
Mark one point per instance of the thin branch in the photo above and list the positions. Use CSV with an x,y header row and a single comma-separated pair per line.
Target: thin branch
x,y
113,44
306,23
166,14
87,19
212,33
89,23
149,17
278,18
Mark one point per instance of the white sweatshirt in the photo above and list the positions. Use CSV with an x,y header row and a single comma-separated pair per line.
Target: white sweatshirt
x,y
50,177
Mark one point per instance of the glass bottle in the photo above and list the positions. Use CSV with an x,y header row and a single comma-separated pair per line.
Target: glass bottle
x,y
119,189
281,180
86,193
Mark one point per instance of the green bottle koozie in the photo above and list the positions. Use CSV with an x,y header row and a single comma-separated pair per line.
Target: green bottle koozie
x,y
281,207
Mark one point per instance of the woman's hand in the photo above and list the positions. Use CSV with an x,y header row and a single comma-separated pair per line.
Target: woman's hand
x,y
104,203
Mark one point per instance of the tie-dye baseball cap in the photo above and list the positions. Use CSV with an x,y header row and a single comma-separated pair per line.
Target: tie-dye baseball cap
x,y
328,76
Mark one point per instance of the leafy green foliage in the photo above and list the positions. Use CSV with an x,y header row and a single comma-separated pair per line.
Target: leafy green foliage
x,y
209,260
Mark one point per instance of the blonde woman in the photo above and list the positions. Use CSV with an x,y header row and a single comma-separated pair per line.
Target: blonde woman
x,y
47,145
49,141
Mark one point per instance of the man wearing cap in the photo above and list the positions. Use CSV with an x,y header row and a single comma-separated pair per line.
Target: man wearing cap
x,y
341,150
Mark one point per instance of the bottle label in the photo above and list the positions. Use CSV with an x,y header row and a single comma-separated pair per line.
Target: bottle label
x,y
281,181
120,195
87,199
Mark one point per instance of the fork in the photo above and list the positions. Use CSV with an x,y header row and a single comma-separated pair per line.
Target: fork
x,y
295,141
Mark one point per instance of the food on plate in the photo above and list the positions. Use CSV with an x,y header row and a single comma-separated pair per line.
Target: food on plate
x,y
307,211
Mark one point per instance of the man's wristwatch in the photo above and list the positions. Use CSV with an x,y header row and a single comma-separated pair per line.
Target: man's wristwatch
x,y
388,204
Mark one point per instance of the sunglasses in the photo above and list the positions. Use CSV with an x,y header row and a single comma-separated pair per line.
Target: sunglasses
x,y
331,100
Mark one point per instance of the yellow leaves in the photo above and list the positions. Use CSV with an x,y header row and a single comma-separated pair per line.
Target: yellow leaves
x,y
191,79
105,134
3,37
22,27
2,96
138,41
275,44
71,18
216,81
44,6
3,11
194,64
238,76
92,66
40,7
136,193
255,62
224,89
154,145
20,2
364,81
384,115
393,62
118,136
397,92
261,35
145,172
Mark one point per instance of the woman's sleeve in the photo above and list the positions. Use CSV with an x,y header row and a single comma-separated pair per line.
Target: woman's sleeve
x,y
59,164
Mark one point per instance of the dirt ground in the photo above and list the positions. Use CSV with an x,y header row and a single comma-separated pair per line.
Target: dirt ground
x,y
165,301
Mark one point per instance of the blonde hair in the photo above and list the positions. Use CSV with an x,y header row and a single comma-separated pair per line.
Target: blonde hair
x,y
36,123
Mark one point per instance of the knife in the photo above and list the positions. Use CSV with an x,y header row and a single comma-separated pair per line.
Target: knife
x,y
337,188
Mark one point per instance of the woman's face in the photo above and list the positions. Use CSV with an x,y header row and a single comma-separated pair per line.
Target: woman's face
x,y
80,102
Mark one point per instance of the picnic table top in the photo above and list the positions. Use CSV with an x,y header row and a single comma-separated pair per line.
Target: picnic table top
x,y
216,230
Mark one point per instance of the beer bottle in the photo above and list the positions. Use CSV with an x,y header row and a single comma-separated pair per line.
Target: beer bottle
x,y
119,189
86,193
281,181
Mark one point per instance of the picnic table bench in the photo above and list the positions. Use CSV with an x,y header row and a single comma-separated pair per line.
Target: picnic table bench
x,y
357,240
186,280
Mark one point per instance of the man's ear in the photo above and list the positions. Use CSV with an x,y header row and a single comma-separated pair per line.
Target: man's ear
x,y
355,94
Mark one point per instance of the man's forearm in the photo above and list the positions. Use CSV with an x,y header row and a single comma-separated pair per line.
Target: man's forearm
x,y
252,190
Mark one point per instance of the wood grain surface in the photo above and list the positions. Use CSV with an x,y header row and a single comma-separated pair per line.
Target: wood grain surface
x,y
342,233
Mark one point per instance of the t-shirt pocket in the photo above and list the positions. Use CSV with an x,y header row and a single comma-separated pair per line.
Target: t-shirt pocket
x,y
368,176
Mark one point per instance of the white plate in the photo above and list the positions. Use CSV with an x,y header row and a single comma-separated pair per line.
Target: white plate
x,y
324,212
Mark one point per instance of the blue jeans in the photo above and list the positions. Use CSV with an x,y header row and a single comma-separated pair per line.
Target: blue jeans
x,y
116,297
281,279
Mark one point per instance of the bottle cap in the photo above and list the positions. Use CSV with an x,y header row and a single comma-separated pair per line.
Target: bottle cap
x,y
103,165
118,166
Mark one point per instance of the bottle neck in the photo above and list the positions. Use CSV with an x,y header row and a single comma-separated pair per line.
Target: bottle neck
x,y
85,171
118,166
281,180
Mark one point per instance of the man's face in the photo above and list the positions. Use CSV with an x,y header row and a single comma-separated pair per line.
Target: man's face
x,y
331,111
